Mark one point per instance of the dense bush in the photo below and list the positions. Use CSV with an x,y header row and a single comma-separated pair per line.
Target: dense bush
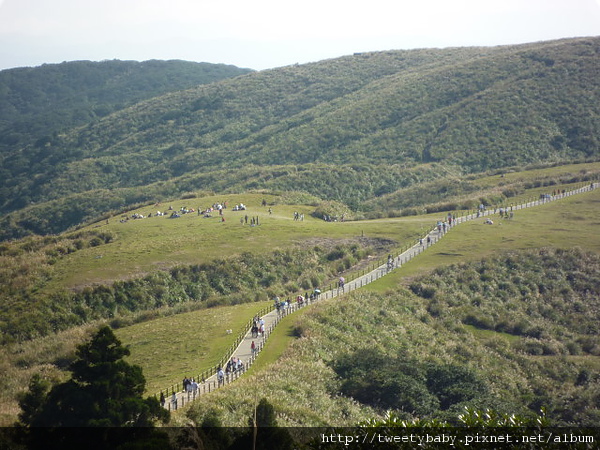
x,y
404,383
242,278
540,295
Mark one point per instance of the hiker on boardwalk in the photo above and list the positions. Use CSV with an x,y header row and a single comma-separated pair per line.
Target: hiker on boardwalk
x,y
174,401
253,347
220,377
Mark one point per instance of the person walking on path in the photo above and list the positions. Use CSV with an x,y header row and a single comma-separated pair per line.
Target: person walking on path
x,y
220,377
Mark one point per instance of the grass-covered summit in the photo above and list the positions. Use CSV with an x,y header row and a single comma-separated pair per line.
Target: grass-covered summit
x,y
349,129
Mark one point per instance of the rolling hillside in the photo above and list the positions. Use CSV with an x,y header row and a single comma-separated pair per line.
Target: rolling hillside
x,y
504,314
349,129
38,104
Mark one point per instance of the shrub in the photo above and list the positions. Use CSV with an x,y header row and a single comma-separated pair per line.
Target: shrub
x,y
435,309
96,241
574,348
423,290
530,346
409,212
403,383
479,321
337,253
306,284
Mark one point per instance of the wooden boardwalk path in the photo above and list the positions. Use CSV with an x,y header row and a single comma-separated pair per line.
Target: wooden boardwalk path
x,y
176,398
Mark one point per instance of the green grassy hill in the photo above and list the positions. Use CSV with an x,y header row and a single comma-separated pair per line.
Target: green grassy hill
x,y
39,104
391,140
349,129
503,322
148,277
371,352
122,265
36,103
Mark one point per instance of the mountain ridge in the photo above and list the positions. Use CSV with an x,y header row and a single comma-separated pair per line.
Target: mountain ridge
x,y
467,109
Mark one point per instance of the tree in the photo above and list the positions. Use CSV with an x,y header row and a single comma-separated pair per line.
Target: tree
x,y
32,401
263,432
104,391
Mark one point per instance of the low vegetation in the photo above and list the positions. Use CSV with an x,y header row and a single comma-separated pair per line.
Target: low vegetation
x,y
357,358
350,130
238,279
319,257
547,297
339,163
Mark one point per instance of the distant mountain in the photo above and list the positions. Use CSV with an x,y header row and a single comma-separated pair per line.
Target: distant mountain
x,y
38,103
348,129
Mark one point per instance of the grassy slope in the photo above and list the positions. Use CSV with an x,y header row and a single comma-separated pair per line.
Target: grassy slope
x,y
185,344
301,378
144,245
526,230
351,129
571,222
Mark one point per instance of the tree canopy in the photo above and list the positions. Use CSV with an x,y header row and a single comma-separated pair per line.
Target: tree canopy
x,y
104,392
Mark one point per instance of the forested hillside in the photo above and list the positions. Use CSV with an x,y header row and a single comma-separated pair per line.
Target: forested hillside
x,y
38,104
349,129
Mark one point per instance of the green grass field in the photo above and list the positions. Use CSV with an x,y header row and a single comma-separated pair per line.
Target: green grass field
x,y
172,348
553,225
181,345
567,223
144,245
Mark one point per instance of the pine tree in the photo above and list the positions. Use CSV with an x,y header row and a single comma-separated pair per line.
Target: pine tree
x,y
104,392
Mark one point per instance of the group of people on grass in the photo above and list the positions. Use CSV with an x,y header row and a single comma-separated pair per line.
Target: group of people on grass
x,y
174,214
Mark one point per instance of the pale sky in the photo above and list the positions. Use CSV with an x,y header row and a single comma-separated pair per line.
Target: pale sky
x,y
261,34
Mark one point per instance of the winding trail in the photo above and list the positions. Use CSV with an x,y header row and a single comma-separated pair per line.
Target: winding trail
x,y
175,398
